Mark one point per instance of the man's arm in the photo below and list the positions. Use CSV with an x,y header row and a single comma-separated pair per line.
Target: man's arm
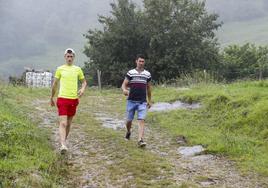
x,y
83,88
124,87
53,91
149,94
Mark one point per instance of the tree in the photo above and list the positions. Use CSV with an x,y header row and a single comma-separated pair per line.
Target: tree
x,y
113,49
176,35
182,37
246,61
262,61
239,61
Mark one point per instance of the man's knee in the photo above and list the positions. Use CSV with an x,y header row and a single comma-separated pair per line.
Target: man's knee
x,y
69,120
63,124
129,122
141,122
69,123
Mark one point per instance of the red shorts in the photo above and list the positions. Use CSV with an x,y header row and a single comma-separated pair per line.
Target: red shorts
x,y
67,107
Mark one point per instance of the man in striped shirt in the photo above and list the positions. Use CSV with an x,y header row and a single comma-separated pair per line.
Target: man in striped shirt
x,y
137,86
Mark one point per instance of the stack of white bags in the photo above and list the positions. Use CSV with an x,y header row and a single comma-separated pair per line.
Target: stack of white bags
x,y
39,79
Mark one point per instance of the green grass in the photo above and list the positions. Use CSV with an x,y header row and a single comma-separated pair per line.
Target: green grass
x,y
26,156
128,161
32,154
233,120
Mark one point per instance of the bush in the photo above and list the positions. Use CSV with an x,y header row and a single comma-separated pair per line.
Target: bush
x,y
191,79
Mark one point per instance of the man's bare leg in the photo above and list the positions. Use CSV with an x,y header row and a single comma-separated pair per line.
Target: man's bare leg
x,y
68,127
128,126
62,130
141,129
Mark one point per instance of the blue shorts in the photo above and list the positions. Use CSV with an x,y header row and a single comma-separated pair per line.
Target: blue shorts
x,y
133,106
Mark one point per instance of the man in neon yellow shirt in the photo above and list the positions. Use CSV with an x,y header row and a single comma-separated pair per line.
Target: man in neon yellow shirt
x,y
68,76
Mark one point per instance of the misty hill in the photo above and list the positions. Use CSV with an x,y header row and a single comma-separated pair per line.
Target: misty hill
x,y
238,10
35,33
252,31
244,21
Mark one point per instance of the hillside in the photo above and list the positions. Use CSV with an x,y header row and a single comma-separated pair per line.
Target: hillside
x,y
35,34
243,21
253,31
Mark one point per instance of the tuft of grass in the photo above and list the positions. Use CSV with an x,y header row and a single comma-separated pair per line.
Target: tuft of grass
x,y
138,166
27,159
232,121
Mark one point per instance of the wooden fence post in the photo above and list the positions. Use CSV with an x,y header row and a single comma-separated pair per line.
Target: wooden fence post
x,y
99,78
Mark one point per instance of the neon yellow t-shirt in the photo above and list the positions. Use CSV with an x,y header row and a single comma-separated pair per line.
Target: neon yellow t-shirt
x,y
68,76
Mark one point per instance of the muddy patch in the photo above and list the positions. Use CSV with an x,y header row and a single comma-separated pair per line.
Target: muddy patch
x,y
89,160
109,122
79,150
207,182
191,151
163,106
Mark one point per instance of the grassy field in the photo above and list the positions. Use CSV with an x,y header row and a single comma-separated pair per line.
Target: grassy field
x,y
27,158
232,122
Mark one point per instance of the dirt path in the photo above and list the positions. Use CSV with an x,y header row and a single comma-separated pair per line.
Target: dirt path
x,y
83,152
89,158
201,171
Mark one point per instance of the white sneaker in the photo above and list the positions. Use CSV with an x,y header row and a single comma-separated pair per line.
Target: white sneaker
x,y
63,149
141,143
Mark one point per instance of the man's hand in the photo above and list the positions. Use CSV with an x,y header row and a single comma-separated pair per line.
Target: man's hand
x,y
52,102
125,92
125,87
149,104
81,92
53,91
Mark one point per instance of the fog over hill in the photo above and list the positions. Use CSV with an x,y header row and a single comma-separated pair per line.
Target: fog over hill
x,y
238,10
35,33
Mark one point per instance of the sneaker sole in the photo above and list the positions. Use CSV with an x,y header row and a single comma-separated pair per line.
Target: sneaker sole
x,y
63,151
127,138
142,145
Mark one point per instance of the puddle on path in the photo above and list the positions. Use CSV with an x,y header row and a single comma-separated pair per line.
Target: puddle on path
x,y
219,172
108,122
163,106
190,151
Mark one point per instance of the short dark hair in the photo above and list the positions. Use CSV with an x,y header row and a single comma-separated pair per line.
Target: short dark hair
x,y
140,56
69,51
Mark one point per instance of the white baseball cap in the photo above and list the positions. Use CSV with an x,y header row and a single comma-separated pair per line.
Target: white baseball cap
x,y
69,51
